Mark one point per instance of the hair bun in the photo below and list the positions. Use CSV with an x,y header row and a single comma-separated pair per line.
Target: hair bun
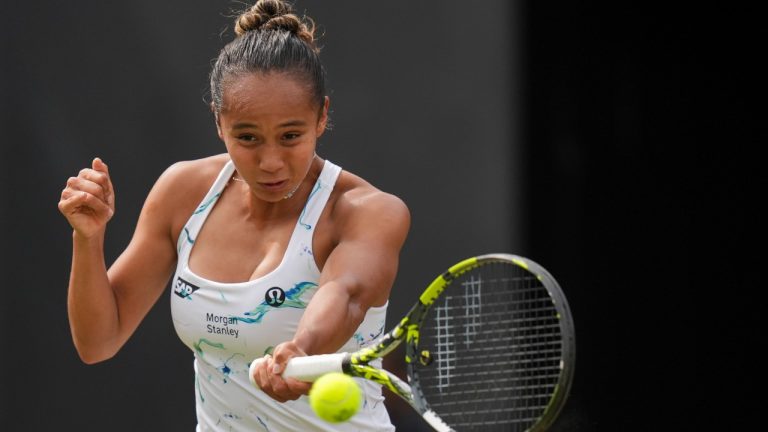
x,y
272,8
274,15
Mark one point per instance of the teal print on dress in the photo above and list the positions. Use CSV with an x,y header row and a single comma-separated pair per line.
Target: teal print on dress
x,y
359,339
206,204
377,334
318,185
266,428
199,391
292,300
199,346
305,250
228,419
362,341
200,209
188,238
225,369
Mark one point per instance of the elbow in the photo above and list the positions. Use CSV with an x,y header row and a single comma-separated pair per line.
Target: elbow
x,y
93,347
91,359
93,355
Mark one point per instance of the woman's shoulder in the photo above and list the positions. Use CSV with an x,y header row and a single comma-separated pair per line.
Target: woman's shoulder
x,y
184,184
197,172
358,198
190,178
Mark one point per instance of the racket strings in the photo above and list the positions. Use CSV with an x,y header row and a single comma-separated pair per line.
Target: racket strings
x,y
496,342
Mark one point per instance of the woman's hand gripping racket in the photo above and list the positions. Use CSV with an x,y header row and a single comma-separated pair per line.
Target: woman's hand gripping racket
x,y
495,351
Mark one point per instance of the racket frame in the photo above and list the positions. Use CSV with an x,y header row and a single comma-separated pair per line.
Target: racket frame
x,y
407,330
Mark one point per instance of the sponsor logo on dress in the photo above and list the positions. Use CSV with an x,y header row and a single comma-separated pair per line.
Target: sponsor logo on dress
x,y
183,288
274,296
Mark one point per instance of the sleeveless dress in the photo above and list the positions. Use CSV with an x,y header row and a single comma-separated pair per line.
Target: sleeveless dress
x,y
228,325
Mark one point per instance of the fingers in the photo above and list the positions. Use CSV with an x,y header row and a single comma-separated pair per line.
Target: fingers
x,y
99,166
252,371
269,383
288,388
95,181
273,384
97,175
88,200
298,387
80,201
284,352
82,183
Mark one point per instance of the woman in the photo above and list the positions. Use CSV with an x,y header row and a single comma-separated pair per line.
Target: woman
x,y
273,251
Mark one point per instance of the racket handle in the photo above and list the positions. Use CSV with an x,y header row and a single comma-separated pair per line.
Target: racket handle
x,y
308,368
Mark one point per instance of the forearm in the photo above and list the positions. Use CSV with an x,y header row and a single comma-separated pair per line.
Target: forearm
x,y
91,302
329,321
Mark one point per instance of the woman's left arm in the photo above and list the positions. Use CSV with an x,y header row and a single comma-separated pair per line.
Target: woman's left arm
x,y
357,275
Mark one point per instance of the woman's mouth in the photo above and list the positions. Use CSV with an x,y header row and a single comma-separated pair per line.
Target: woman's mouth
x,y
273,186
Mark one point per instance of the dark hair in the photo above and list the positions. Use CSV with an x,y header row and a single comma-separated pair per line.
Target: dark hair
x,y
270,38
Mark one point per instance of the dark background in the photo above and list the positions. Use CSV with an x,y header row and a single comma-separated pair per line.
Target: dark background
x,y
562,131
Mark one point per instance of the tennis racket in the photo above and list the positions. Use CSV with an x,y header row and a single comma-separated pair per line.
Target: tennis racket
x,y
489,346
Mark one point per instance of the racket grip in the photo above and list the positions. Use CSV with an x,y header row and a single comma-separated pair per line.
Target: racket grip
x,y
310,368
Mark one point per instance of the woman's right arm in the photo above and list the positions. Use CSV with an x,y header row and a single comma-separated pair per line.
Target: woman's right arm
x,y
106,306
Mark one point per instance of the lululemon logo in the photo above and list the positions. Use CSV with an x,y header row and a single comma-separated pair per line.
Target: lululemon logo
x,y
275,296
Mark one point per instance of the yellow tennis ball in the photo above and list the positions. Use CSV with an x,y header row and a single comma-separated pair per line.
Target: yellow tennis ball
x,y
335,397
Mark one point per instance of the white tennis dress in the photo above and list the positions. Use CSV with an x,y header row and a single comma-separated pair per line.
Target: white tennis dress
x,y
228,325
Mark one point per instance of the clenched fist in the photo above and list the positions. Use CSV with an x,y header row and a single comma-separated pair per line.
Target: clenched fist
x,y
88,201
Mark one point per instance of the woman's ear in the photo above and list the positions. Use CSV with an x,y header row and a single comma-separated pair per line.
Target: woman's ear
x,y
218,122
322,122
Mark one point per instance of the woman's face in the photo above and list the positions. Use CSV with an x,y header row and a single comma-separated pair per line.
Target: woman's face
x,y
270,127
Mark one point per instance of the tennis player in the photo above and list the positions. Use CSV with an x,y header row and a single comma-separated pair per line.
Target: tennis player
x,y
270,249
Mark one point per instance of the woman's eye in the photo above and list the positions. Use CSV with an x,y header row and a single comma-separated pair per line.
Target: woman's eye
x,y
291,136
247,138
